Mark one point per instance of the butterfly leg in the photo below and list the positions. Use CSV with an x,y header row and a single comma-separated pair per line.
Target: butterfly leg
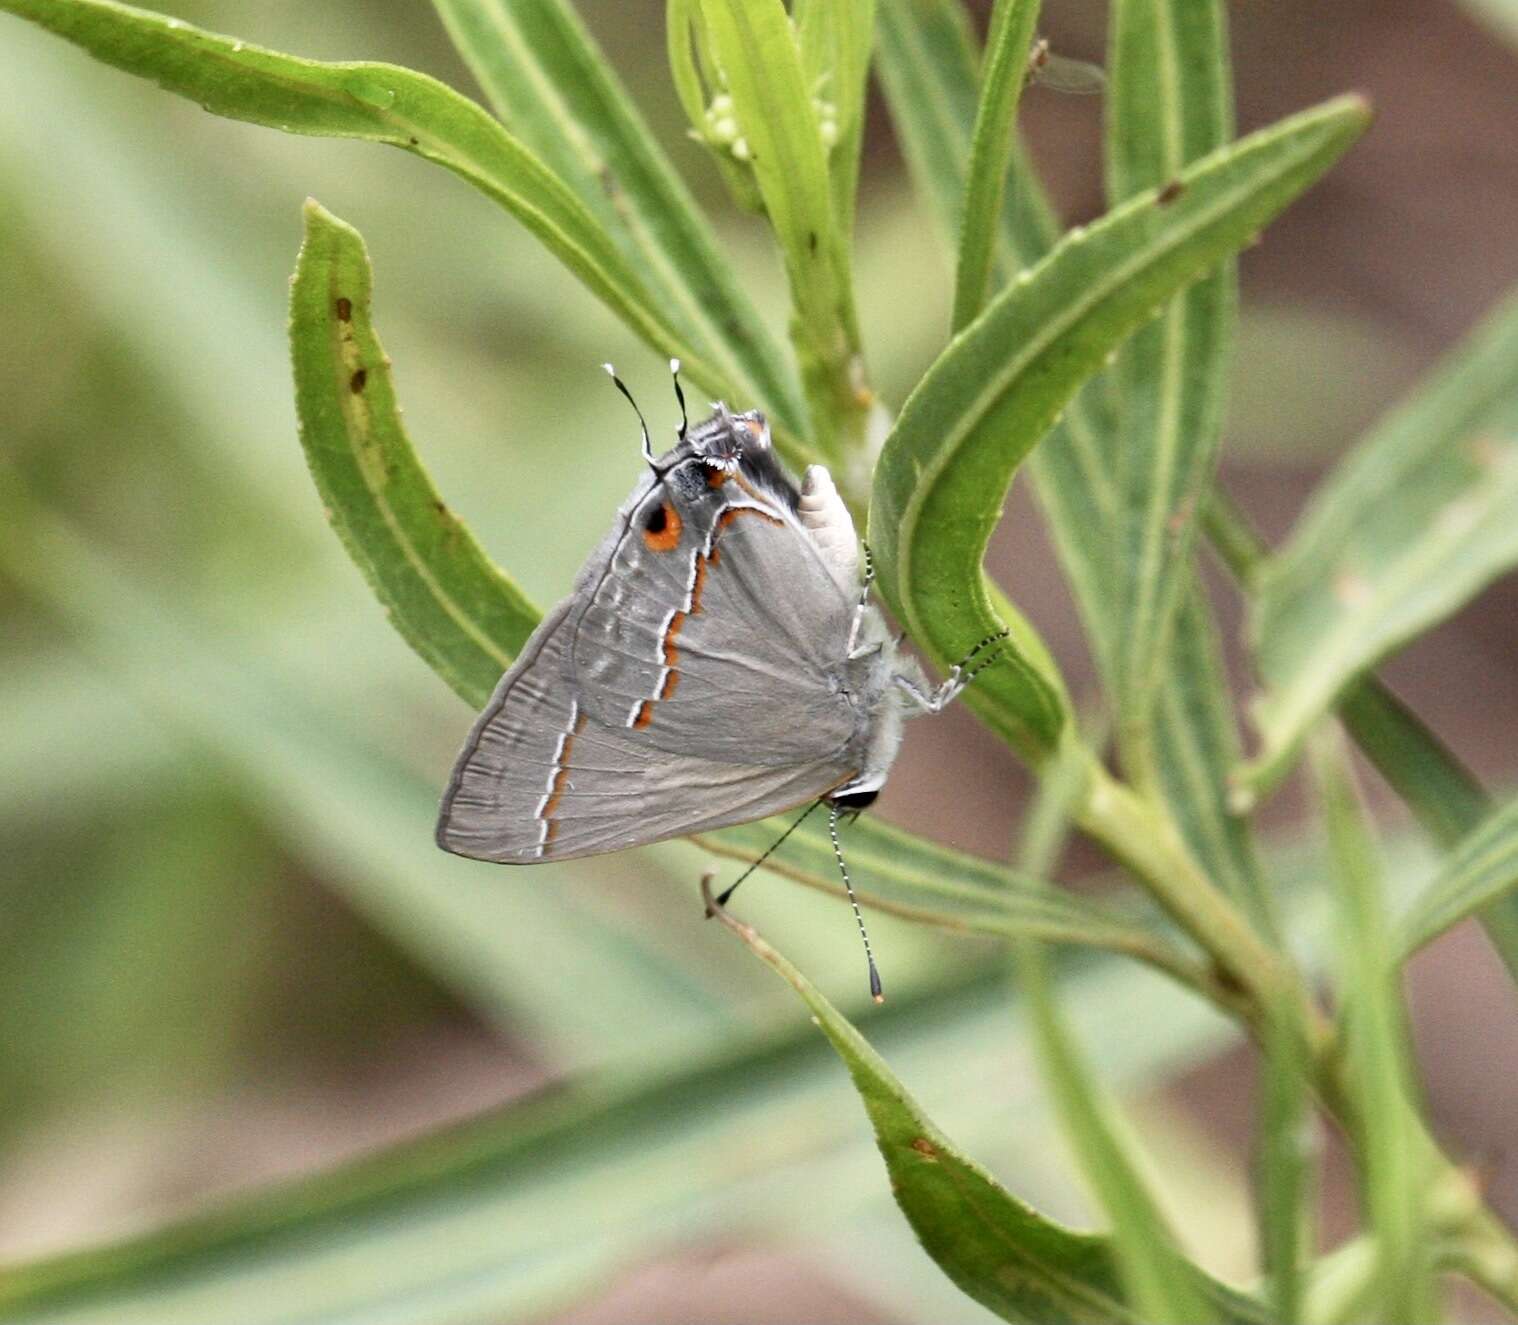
x,y
863,603
933,699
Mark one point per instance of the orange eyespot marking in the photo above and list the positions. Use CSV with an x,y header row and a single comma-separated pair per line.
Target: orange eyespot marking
x,y
645,714
661,528
716,477
754,428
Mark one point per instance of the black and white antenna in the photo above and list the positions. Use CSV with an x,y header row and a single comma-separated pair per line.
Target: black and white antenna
x,y
769,851
875,990
674,372
648,446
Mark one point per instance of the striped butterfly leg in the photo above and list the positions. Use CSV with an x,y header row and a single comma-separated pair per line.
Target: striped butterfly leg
x,y
862,605
934,699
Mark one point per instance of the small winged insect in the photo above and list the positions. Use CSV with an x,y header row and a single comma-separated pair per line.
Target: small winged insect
x,y
718,660
1062,74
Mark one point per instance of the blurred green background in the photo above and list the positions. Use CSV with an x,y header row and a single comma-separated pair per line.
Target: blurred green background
x,y
228,948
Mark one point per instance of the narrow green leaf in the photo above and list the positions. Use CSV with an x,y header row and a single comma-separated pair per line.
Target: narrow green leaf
x,y
557,92
1000,1251
1159,1283
380,103
1420,516
836,37
1421,769
1444,795
1002,383
760,63
928,68
928,65
991,146
1483,868
1391,1163
1284,1160
1170,101
1196,746
462,615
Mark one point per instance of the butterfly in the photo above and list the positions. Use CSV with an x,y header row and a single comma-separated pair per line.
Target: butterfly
x,y
718,660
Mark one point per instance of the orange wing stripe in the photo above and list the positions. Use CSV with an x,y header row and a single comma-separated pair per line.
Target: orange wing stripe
x,y
669,652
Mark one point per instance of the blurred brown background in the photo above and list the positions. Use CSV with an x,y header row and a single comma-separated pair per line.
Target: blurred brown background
x,y
191,996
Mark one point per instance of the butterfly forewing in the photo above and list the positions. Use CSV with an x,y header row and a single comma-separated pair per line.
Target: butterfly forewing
x,y
709,632
691,681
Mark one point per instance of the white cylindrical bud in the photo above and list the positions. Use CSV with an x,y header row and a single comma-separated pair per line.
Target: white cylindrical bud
x,y
827,520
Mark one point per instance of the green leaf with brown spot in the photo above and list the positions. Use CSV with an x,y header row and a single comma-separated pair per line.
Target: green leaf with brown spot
x,y
1001,384
457,610
999,1250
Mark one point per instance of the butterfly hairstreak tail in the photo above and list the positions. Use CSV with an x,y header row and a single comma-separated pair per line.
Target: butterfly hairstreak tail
x,y
718,661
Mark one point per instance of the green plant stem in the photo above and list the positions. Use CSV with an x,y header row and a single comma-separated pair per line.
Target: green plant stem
x,y
1139,833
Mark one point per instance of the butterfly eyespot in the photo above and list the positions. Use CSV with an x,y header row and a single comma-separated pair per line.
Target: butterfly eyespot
x,y
661,528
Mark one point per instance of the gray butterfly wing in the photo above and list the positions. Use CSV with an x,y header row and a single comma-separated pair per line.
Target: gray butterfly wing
x,y
722,636
541,779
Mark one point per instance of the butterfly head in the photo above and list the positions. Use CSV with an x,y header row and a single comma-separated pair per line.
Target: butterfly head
x,y
726,440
